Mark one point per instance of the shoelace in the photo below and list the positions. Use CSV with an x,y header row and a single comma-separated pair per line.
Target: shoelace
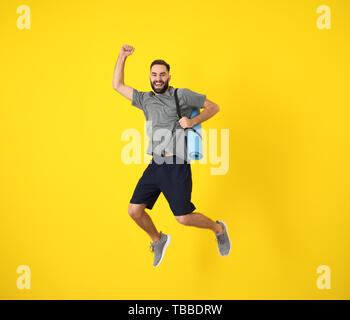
x,y
152,246
221,238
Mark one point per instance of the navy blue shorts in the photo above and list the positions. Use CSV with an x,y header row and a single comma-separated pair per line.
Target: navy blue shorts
x,y
172,178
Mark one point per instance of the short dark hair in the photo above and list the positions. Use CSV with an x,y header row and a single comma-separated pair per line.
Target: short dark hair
x,y
159,61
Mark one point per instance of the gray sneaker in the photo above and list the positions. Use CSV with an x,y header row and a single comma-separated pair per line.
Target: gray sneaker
x,y
159,248
224,243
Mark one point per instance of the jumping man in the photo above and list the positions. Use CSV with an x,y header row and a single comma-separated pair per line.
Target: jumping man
x,y
169,171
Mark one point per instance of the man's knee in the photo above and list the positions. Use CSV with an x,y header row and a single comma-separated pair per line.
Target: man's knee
x,y
184,219
136,210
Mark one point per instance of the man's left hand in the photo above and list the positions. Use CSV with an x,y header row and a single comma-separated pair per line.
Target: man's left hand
x,y
186,122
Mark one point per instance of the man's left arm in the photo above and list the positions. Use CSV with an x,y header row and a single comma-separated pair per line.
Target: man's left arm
x,y
210,109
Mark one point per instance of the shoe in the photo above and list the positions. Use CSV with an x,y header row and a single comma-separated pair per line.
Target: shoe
x,y
224,242
159,248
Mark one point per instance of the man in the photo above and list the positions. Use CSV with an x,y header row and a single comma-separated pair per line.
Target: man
x,y
168,171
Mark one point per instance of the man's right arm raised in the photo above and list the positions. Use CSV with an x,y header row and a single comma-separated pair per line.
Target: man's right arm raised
x,y
118,76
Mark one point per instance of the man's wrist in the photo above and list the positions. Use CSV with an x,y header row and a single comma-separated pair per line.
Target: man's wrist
x,y
123,58
194,121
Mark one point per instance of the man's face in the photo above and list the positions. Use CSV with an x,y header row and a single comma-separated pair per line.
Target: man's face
x,y
159,78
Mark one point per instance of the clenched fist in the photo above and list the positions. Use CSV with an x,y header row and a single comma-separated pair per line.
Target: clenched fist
x,y
186,122
126,50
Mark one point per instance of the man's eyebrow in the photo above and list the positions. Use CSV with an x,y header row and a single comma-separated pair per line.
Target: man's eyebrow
x,y
156,72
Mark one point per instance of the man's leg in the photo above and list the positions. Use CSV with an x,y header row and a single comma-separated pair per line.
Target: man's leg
x,y
196,219
140,216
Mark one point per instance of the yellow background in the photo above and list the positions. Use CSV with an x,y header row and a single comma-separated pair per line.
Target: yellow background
x,y
282,86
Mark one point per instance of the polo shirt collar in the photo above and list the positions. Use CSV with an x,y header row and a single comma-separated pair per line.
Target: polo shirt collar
x,y
171,91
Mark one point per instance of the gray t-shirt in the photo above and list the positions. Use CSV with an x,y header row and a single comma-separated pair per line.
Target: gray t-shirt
x,y
162,125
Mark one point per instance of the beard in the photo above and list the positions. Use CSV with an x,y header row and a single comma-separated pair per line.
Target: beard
x,y
161,89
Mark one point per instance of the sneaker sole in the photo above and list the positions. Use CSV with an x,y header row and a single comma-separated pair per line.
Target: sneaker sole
x,y
224,255
164,249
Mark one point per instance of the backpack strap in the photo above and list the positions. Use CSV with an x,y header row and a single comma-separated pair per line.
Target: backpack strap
x,y
179,113
177,104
